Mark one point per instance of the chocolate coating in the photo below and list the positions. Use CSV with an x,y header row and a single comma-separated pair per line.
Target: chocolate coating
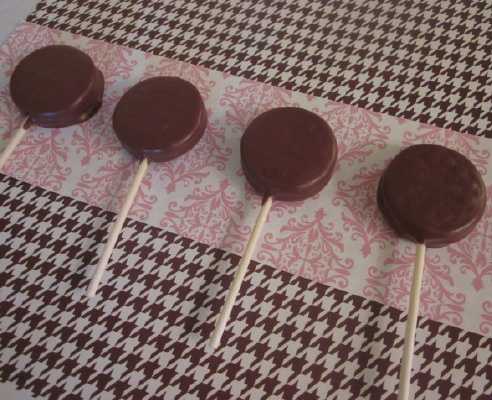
x,y
160,118
288,153
57,86
431,194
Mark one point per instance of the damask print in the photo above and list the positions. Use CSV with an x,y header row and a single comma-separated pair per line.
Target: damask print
x,y
109,185
117,63
310,247
486,324
41,158
192,167
439,300
95,140
209,215
467,145
359,132
474,253
10,117
360,214
244,100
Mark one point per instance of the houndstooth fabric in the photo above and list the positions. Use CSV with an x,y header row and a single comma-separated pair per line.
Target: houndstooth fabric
x,y
145,335
422,60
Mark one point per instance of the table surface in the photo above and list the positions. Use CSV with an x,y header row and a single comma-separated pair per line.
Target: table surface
x,y
320,312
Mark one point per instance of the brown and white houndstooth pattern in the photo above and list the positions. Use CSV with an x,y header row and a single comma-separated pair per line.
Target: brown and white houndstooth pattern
x,y
425,60
145,335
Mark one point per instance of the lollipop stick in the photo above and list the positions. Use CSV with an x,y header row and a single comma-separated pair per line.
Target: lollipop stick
x,y
117,227
413,312
16,139
222,318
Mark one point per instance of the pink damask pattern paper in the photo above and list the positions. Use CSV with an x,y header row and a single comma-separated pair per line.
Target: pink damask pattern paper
x,y
359,132
474,255
209,214
193,167
337,237
439,298
310,247
42,159
486,324
360,215
246,99
110,184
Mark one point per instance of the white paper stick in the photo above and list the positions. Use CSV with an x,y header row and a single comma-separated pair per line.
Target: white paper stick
x,y
223,317
410,328
14,141
117,227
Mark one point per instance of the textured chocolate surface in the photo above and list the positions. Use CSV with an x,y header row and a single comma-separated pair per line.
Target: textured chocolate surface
x,y
57,86
431,194
288,153
160,118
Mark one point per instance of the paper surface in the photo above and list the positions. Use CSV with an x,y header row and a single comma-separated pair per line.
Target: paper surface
x,y
145,335
337,238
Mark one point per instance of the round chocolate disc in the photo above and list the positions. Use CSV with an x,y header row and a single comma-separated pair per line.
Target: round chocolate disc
x,y
160,118
431,194
288,153
57,86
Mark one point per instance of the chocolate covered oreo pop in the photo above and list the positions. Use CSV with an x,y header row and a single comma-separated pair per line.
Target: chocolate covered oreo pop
x,y
54,87
287,154
158,119
433,196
